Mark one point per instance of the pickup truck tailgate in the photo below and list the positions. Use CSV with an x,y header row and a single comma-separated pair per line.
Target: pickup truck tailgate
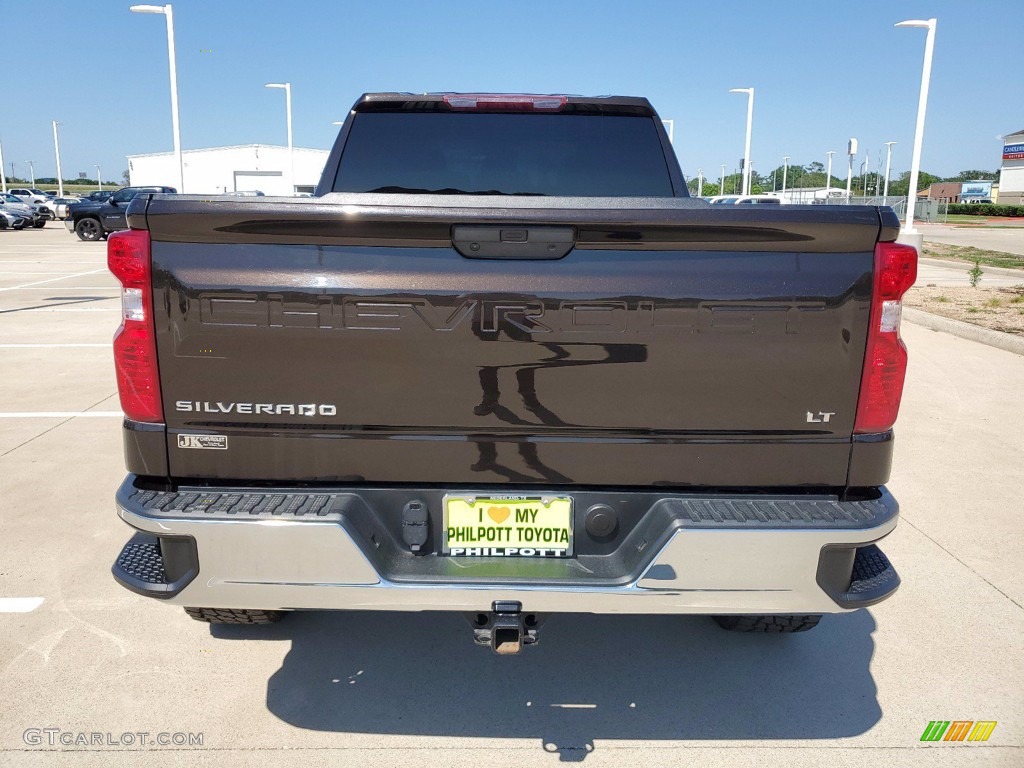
x,y
322,340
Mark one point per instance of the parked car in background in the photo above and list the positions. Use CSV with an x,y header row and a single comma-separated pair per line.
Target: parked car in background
x,y
99,196
11,220
59,206
48,208
36,215
746,200
92,220
30,195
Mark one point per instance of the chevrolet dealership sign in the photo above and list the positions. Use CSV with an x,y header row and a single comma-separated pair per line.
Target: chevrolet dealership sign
x,y
981,189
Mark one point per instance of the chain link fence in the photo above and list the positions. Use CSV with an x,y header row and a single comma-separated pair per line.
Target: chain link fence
x,y
925,210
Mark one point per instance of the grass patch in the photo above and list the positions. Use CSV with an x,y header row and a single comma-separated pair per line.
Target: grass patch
x,y
959,218
945,299
981,221
993,302
973,310
971,254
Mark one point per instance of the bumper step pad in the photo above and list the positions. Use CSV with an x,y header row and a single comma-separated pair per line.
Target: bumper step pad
x,y
157,566
141,561
873,575
750,512
856,577
230,504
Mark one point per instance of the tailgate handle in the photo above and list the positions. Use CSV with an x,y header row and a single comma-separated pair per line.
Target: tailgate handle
x,y
513,242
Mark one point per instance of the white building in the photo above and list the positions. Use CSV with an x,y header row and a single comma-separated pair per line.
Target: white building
x,y
1011,174
244,168
810,195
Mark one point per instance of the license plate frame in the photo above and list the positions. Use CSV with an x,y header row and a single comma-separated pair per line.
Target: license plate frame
x,y
555,510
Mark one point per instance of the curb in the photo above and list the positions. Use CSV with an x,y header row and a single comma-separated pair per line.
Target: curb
x,y
998,339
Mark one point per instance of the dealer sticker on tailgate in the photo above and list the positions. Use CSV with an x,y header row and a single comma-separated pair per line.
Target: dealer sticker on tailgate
x,y
507,526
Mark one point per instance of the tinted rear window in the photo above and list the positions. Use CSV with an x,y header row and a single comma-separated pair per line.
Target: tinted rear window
x,y
512,154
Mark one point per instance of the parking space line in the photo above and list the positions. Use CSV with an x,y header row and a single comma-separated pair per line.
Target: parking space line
x,y
19,604
76,309
74,288
50,346
53,280
60,414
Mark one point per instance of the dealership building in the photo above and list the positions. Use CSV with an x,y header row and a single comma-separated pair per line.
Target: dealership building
x,y
981,190
1011,173
243,168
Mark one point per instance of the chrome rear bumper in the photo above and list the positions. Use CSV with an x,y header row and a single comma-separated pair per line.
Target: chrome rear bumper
x,y
312,555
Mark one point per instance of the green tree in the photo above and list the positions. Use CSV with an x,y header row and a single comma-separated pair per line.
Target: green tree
x,y
733,184
795,176
898,187
974,175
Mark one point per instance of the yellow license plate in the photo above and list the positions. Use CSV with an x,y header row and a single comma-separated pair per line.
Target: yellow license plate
x,y
507,526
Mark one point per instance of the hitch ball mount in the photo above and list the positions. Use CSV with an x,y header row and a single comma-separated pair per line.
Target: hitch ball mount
x,y
506,629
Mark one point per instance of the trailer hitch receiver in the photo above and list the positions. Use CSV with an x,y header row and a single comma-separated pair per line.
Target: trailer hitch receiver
x,y
506,629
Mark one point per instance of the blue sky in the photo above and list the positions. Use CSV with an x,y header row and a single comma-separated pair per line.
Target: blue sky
x,y
823,72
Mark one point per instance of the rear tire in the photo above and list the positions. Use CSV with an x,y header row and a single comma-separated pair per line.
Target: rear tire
x,y
89,230
40,224
234,616
768,623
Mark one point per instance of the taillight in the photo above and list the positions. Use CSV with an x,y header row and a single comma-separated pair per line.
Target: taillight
x,y
138,380
885,359
505,102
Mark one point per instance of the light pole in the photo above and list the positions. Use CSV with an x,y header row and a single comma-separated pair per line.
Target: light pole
x,y
56,153
168,13
721,185
99,179
288,113
785,173
828,175
865,169
922,106
700,182
888,164
3,176
32,172
851,150
746,144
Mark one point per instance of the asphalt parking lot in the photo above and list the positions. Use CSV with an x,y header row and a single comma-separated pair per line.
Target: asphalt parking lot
x,y
328,689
